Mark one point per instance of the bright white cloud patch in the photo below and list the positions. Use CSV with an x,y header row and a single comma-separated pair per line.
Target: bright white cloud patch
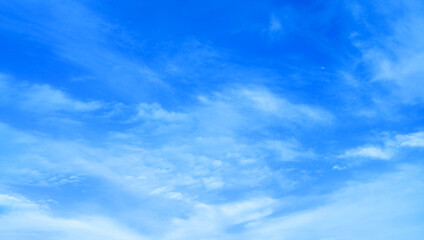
x,y
411,140
368,152
391,147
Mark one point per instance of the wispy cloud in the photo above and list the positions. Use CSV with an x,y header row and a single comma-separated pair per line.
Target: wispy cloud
x,y
389,147
80,36
26,219
268,102
368,152
40,98
215,221
275,24
395,55
168,154
411,140
283,22
156,112
358,210
260,107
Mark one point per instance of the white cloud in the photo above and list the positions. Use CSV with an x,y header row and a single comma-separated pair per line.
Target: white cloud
x,y
359,211
45,98
395,56
200,148
178,166
281,22
368,152
391,146
411,140
213,221
203,152
156,112
356,211
40,98
25,219
286,150
15,203
80,36
275,105
261,103
274,24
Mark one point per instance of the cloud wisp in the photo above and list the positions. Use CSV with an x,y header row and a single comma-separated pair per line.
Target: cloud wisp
x,y
41,98
26,219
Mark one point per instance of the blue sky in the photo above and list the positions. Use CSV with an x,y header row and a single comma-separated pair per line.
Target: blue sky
x,y
142,120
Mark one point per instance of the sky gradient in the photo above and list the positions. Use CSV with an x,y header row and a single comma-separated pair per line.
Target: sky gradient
x,y
204,120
